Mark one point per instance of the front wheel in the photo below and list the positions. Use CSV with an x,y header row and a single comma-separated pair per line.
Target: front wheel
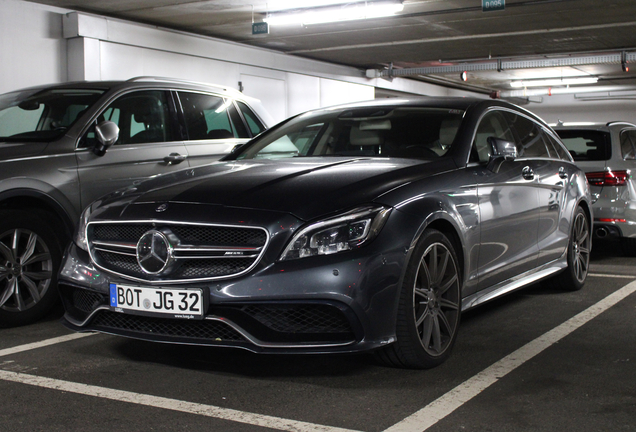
x,y
30,255
429,306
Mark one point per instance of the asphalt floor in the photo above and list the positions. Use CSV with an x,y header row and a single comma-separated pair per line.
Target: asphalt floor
x,y
534,360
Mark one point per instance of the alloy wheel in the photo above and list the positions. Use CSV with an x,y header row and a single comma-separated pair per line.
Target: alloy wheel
x,y
436,299
26,269
581,247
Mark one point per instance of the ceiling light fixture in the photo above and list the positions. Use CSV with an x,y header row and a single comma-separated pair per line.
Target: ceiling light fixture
x,y
555,82
280,5
346,12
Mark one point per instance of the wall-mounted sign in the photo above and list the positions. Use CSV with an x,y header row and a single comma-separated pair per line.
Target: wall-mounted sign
x,y
492,5
260,28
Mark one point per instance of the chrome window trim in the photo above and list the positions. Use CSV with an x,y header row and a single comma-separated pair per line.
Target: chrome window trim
x,y
519,113
171,222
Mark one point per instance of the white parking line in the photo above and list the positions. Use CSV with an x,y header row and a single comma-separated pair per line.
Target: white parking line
x,y
611,276
40,344
446,404
170,404
417,422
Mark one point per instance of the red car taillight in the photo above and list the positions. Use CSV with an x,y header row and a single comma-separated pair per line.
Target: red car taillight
x,y
607,178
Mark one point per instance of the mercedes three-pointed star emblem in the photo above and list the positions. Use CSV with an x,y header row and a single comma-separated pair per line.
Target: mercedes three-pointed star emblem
x,y
154,252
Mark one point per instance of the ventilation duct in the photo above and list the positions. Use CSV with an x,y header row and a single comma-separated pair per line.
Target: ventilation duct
x,y
499,65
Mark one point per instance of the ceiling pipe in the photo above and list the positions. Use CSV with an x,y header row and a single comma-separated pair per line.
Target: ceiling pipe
x,y
499,65
505,94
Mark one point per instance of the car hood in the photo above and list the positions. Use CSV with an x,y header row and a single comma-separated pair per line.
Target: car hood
x,y
304,187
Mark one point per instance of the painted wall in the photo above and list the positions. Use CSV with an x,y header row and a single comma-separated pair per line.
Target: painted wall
x,y
40,44
587,107
32,49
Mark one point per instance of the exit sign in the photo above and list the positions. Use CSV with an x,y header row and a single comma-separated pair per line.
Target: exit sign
x,y
492,5
260,28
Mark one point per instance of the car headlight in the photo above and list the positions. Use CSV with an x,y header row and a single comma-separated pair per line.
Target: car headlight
x,y
80,234
338,234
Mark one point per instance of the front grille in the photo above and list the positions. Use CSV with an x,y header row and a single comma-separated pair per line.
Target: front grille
x,y
119,232
198,235
86,301
121,263
165,327
200,252
300,318
194,269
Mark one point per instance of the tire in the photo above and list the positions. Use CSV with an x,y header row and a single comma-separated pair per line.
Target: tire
x,y
30,256
629,246
429,306
578,254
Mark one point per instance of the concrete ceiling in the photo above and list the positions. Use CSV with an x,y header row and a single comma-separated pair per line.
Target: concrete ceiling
x,y
582,37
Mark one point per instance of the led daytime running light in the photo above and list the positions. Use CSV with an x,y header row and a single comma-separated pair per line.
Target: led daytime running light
x,y
338,234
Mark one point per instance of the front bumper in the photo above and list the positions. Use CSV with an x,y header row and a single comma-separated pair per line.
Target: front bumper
x,y
338,303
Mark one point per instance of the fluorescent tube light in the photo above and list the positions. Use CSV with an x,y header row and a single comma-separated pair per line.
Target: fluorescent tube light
x,y
554,82
348,12
279,5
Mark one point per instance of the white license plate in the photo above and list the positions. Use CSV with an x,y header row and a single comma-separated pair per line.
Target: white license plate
x,y
178,303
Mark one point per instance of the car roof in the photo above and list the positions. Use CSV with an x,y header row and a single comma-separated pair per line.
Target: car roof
x,y
146,82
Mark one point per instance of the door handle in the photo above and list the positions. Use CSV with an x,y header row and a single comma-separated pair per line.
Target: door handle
x,y
174,158
527,173
562,173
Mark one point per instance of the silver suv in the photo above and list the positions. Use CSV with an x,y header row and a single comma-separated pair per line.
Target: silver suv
x,y
63,146
607,154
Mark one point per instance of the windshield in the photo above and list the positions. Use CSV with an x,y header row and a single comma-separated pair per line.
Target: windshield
x,y
422,133
42,115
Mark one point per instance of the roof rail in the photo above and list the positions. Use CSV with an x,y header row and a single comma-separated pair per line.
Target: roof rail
x,y
183,81
619,122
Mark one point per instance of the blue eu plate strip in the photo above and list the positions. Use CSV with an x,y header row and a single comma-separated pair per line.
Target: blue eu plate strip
x,y
113,295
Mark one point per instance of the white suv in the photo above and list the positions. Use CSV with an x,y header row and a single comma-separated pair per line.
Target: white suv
x,y
607,154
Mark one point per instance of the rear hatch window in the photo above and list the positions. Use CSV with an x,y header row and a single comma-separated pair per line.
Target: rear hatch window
x,y
587,145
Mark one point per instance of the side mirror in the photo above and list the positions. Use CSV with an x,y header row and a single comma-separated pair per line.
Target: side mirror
x,y
500,150
107,134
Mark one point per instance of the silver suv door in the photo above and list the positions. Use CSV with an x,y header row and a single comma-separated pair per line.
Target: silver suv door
x,y
147,144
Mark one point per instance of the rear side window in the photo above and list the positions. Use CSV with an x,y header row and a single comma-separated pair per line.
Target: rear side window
x,y
558,147
255,125
628,144
530,137
207,116
586,145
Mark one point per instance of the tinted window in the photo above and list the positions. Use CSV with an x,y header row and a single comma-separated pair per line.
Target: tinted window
x,y
253,122
142,117
628,144
42,114
207,116
493,124
401,132
586,145
560,150
237,122
529,137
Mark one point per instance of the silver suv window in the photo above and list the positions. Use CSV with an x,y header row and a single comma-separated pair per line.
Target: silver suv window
x,y
587,145
628,144
210,117
42,115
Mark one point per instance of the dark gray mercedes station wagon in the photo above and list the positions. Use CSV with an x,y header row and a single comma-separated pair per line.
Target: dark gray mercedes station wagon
x,y
361,227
